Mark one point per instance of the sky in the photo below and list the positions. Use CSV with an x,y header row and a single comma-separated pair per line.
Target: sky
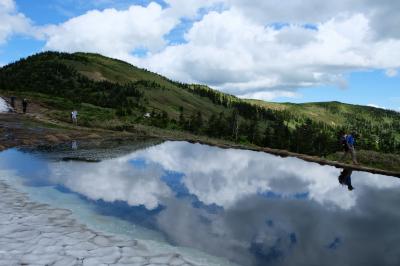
x,y
285,51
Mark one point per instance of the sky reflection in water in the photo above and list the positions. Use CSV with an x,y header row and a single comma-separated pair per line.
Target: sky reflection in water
x,y
252,208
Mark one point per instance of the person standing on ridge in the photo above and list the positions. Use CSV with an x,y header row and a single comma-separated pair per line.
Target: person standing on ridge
x,y
12,101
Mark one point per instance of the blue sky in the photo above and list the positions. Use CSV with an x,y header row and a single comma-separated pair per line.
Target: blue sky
x,y
250,50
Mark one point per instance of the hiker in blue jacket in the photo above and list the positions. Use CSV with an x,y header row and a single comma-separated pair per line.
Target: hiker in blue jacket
x,y
350,142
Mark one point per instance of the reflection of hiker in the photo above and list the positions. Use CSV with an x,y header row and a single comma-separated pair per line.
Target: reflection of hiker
x,y
349,147
24,105
74,117
345,178
12,101
74,145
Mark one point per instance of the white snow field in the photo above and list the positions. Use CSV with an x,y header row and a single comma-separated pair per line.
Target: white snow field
x,y
4,108
33,233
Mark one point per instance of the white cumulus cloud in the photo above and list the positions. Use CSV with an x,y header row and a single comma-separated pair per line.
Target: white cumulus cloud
x,y
112,32
263,49
235,54
382,14
375,106
116,180
270,95
12,22
188,8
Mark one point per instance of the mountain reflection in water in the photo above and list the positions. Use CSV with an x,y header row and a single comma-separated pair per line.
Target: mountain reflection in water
x,y
250,207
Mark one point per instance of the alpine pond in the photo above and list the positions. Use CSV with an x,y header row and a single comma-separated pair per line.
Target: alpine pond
x,y
215,206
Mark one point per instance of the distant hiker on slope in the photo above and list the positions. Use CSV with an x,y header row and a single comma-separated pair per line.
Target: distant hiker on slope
x,y
24,105
350,142
12,101
74,117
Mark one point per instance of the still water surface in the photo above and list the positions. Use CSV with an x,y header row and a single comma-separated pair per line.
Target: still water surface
x,y
247,207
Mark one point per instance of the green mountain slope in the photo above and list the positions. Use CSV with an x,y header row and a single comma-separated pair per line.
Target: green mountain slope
x,y
163,94
113,94
333,113
66,72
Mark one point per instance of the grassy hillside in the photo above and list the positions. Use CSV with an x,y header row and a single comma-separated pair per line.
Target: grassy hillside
x,y
372,122
160,93
113,94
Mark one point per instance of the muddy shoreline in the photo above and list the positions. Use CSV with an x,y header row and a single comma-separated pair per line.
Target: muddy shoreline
x,y
19,131
30,131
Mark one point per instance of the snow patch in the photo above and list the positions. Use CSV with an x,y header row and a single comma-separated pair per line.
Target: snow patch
x,y
4,107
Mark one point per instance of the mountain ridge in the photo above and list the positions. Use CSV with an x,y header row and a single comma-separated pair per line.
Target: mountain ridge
x,y
245,99
123,77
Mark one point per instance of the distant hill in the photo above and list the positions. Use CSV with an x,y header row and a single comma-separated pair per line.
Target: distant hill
x,y
333,113
113,94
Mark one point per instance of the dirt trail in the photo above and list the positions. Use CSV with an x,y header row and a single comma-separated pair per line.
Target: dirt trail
x,y
30,130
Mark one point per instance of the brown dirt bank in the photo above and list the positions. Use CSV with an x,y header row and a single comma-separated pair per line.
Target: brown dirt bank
x,y
30,130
